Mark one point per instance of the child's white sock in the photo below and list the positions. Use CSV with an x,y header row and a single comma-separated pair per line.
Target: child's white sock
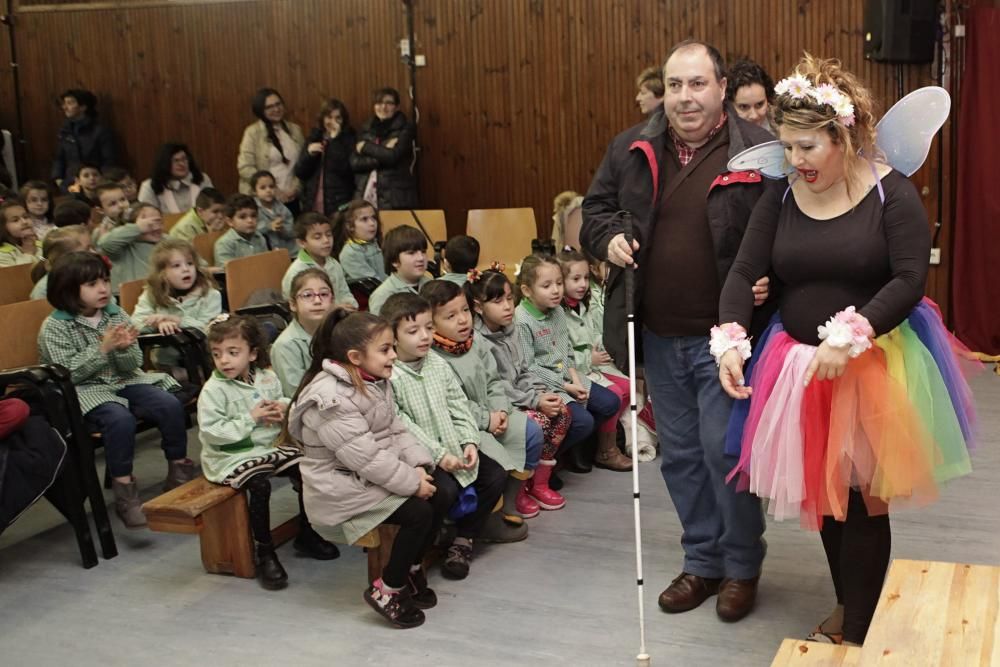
x,y
385,588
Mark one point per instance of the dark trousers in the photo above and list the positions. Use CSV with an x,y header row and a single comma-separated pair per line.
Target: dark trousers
x,y
489,487
419,521
116,423
857,550
258,490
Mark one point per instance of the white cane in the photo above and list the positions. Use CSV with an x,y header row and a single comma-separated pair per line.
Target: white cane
x,y
642,659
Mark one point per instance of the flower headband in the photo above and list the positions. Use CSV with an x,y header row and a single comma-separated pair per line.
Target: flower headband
x,y
798,87
475,274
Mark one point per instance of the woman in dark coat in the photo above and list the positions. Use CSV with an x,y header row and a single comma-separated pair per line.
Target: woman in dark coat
x,y
383,156
81,139
324,167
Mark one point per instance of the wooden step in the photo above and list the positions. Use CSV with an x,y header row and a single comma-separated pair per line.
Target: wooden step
x,y
933,613
800,653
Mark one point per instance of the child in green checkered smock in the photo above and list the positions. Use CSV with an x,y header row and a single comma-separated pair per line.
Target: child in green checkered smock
x,y
90,336
436,410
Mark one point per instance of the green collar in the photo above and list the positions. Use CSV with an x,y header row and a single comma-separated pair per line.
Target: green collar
x,y
532,310
110,309
306,258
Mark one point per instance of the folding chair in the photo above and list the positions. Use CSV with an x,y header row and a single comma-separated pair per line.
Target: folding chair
x,y
246,275
15,283
204,245
54,387
129,293
171,219
504,234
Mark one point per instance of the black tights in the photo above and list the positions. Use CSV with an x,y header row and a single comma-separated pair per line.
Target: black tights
x,y
419,521
858,553
258,490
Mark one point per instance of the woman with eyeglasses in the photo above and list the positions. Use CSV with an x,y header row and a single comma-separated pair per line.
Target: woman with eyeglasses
x,y
382,158
271,144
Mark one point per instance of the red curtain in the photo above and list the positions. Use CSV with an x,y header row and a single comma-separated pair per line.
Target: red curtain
x,y
975,280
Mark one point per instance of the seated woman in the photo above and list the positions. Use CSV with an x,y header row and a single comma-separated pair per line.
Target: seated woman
x,y
176,180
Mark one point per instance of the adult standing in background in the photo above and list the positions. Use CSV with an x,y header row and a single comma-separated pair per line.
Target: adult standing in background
x,y
324,167
751,92
383,156
689,216
271,144
650,95
176,180
81,138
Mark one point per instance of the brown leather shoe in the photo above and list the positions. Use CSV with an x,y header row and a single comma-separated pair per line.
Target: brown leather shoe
x,y
687,592
736,598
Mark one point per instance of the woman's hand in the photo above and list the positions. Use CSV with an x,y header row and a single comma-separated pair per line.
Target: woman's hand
x,y
392,142
358,146
731,375
760,291
427,487
829,363
315,148
620,254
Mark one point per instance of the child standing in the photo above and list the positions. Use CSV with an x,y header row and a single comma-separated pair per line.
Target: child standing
x,y
311,298
179,294
242,239
130,245
361,466
589,359
94,339
61,241
506,435
491,294
461,255
405,256
38,202
112,205
433,407
240,411
314,236
545,341
357,238
18,244
208,215
274,219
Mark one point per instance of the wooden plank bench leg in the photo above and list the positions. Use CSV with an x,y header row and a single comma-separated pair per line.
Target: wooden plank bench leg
x,y
378,556
226,547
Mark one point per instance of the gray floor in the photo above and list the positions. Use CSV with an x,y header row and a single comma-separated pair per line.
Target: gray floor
x,y
564,596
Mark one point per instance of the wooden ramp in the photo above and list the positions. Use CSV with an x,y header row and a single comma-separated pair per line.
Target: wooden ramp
x,y
930,614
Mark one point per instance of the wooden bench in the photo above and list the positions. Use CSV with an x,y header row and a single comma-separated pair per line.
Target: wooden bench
x,y
800,653
218,515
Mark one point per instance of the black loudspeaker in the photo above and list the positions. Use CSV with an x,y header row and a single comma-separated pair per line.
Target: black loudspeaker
x,y
900,31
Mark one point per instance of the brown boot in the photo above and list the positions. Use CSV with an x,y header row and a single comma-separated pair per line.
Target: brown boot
x,y
609,456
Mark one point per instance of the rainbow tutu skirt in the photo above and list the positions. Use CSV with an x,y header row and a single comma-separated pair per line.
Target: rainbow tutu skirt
x,y
898,423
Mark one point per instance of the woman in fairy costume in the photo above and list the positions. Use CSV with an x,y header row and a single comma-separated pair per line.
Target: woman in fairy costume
x,y
856,401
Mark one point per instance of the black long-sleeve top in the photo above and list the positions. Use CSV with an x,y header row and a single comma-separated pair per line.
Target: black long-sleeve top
x,y
873,257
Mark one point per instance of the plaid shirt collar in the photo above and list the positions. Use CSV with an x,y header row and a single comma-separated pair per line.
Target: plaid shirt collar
x,y
684,152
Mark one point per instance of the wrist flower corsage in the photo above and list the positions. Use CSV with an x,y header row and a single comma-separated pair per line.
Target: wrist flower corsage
x,y
726,337
848,328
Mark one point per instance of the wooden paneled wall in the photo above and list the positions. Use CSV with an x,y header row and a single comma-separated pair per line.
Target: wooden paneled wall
x,y
517,102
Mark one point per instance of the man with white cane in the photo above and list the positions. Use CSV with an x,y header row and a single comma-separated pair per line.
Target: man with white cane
x,y
689,216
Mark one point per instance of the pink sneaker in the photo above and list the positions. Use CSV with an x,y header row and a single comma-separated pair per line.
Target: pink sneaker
x,y
539,490
526,506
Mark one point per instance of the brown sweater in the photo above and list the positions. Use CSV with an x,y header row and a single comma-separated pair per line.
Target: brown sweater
x,y
680,281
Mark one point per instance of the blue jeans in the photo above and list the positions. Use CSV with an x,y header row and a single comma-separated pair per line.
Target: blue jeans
x,y
116,424
533,439
603,404
580,427
723,529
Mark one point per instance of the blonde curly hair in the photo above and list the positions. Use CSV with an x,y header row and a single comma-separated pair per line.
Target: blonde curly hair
x,y
805,113
565,203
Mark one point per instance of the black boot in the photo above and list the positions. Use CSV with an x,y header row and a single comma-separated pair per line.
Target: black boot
x,y
269,571
580,457
310,543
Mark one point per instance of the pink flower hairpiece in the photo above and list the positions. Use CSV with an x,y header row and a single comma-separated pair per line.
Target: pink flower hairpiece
x,y
498,266
473,275
799,87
